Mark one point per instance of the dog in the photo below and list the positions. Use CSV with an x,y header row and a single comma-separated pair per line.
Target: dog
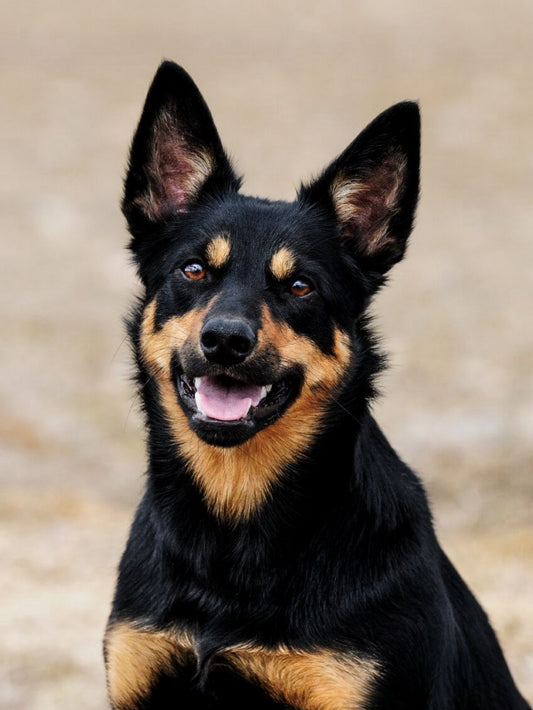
x,y
283,556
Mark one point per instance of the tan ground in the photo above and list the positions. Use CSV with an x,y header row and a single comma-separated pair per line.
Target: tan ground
x,y
290,83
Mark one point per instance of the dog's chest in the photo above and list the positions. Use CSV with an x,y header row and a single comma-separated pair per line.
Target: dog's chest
x,y
318,679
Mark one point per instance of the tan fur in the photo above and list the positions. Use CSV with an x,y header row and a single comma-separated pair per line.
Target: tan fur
x,y
137,656
159,345
282,264
308,680
218,251
236,481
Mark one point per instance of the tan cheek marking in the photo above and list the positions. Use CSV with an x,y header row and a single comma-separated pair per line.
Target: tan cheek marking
x,y
321,370
282,264
158,346
137,656
218,251
236,481
318,680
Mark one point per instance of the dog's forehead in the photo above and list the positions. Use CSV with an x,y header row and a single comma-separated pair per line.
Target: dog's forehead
x,y
260,231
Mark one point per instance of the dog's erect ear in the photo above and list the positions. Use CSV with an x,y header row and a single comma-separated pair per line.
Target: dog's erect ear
x,y
176,153
373,188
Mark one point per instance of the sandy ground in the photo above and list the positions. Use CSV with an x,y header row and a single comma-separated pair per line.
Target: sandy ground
x,y
290,84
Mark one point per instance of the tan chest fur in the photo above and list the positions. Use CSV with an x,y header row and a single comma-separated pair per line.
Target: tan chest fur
x,y
318,679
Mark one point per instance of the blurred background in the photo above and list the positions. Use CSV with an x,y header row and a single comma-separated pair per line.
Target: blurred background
x,y
290,84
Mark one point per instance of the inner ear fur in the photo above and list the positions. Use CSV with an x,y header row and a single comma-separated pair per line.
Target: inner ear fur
x,y
176,153
372,188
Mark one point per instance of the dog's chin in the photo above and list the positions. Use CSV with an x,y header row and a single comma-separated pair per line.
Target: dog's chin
x,y
224,411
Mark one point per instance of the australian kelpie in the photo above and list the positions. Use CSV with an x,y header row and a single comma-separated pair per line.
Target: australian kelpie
x,y
282,556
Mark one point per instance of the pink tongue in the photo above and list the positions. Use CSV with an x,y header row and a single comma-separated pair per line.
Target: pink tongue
x,y
225,401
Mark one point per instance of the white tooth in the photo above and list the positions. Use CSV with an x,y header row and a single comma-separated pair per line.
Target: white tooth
x,y
268,388
197,381
198,404
263,394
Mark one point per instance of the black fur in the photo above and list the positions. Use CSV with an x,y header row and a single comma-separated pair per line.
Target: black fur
x,y
342,554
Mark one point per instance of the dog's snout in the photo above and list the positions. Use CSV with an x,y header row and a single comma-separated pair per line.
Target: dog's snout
x,y
227,341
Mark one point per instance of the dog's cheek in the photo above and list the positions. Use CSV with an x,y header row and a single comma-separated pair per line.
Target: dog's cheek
x,y
323,371
158,345
323,376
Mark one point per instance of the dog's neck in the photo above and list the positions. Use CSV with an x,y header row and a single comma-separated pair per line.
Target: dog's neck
x,y
321,481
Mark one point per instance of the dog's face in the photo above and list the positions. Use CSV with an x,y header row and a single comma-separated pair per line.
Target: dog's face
x,y
252,318
249,320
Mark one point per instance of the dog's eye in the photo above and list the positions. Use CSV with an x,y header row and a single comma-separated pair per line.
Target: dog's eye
x,y
301,288
194,270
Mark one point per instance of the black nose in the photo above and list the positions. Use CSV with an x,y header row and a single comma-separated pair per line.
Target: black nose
x,y
227,341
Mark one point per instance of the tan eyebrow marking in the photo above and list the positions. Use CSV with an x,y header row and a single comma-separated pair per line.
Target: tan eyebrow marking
x,y
283,264
217,251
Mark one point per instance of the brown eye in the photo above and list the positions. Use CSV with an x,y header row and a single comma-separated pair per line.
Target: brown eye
x,y
194,270
300,288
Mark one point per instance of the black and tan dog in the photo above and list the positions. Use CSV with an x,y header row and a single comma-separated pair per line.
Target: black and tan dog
x,y
283,556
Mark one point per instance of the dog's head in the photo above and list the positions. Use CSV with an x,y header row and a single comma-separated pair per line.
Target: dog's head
x,y
249,324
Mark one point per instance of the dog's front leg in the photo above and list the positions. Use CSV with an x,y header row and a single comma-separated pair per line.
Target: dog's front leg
x,y
145,664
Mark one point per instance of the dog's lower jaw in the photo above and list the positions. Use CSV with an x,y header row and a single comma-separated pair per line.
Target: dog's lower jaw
x,y
222,434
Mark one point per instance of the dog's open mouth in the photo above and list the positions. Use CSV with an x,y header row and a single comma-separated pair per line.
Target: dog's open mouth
x,y
225,399
217,404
